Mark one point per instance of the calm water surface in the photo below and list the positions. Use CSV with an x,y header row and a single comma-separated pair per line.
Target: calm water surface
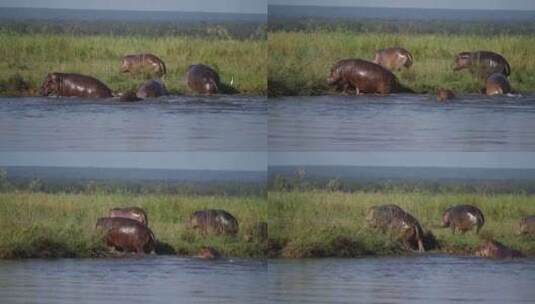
x,y
179,123
401,123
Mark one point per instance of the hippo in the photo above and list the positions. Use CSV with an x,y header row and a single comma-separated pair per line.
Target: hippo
x,y
392,218
364,77
496,84
127,235
133,213
444,95
214,221
259,232
144,63
151,89
482,63
527,226
497,250
394,58
208,253
463,218
77,85
202,79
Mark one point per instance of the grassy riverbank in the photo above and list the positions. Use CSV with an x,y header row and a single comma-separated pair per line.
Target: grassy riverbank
x,y
35,224
322,223
27,58
299,62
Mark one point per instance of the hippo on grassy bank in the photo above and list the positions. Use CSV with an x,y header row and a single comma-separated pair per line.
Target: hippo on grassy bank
x,y
482,63
444,95
497,250
133,213
496,84
143,63
364,77
463,218
392,218
74,85
526,226
214,221
127,235
202,79
394,58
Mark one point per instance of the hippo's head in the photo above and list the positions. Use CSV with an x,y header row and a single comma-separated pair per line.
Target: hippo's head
x,y
334,76
104,223
210,86
125,66
462,61
50,84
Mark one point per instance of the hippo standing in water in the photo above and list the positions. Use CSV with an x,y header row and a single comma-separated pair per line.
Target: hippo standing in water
x,y
133,213
364,77
527,226
392,218
151,89
393,58
496,84
208,253
143,63
69,85
202,79
444,95
463,218
127,235
214,221
482,63
497,250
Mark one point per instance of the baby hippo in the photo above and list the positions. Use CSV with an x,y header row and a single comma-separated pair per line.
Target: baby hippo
x,y
143,63
444,95
127,235
202,79
214,221
496,250
527,226
394,58
151,89
133,213
482,63
496,84
463,218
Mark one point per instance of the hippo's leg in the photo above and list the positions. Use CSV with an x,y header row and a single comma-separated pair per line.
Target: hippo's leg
x,y
478,227
357,91
452,226
421,246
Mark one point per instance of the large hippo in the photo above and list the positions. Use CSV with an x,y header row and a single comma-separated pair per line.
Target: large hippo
x,y
394,58
463,218
392,218
151,89
127,235
133,213
496,84
527,226
68,84
214,221
364,77
202,79
497,250
482,63
143,63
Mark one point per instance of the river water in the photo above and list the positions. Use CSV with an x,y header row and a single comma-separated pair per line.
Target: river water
x,y
422,279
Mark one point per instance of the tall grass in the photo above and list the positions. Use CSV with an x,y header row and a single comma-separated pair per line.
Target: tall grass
x,y
321,223
299,62
29,57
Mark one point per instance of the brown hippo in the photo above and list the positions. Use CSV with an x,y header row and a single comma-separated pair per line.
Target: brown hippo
x,y
394,58
68,84
202,79
214,221
127,235
496,84
364,77
527,225
259,232
463,218
495,249
133,213
482,63
208,253
445,94
144,63
392,218
151,89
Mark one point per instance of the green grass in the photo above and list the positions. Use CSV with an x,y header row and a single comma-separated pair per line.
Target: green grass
x,y
27,58
321,223
62,225
299,62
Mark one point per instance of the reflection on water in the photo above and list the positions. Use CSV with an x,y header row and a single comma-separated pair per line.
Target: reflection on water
x,y
175,123
401,123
